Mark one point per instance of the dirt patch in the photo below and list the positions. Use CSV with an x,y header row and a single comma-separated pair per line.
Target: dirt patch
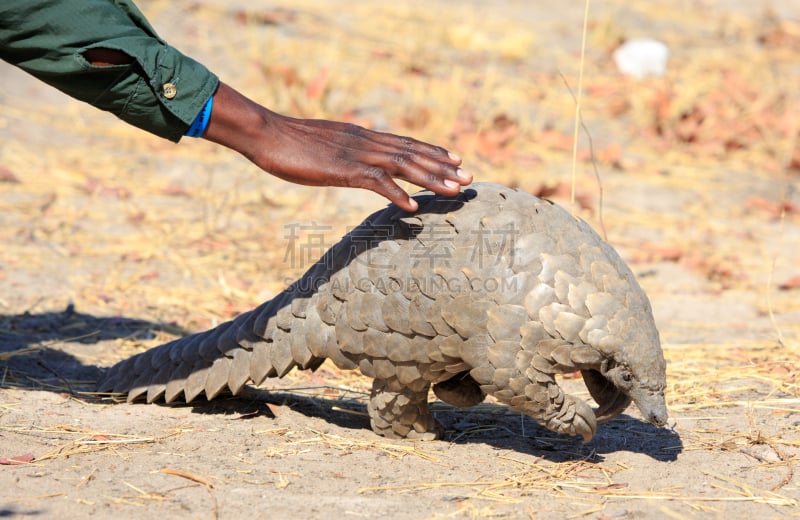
x,y
114,242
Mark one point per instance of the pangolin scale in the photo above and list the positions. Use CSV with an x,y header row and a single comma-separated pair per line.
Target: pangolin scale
x,y
493,291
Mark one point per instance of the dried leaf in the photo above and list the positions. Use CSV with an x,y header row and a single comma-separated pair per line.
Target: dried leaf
x,y
791,283
317,87
17,460
8,176
188,476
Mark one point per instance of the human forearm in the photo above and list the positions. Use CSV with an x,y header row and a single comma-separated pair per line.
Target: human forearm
x,y
106,54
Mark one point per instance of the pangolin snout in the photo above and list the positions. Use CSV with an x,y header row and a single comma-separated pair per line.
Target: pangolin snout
x,y
657,417
653,408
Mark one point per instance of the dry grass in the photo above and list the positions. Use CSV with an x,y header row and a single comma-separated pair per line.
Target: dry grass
x,y
70,441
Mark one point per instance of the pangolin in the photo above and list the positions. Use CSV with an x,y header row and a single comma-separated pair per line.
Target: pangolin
x,y
492,291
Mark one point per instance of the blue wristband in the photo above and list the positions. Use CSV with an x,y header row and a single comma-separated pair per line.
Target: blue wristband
x,y
201,121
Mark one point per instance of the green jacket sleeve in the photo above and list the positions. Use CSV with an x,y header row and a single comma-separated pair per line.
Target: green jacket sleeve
x,y
162,91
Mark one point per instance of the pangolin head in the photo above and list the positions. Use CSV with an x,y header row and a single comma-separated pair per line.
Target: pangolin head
x,y
636,371
634,368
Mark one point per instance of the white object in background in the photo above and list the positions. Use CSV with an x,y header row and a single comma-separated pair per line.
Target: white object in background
x,y
642,58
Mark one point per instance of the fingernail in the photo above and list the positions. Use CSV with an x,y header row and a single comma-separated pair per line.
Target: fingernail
x,y
464,175
454,156
450,184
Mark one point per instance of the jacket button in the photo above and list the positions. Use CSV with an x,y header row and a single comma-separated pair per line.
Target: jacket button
x,y
170,90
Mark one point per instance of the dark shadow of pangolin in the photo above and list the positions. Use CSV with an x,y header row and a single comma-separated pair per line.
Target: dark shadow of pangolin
x,y
490,292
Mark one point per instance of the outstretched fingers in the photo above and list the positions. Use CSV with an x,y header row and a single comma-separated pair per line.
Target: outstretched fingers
x,y
400,143
385,157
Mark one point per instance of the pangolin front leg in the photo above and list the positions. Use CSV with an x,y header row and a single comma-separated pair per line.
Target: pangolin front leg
x,y
536,393
397,411
553,408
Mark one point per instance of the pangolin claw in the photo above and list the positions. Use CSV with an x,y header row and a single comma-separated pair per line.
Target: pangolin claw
x,y
585,427
574,418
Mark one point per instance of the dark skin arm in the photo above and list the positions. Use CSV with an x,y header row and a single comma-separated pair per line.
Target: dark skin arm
x,y
322,153
327,153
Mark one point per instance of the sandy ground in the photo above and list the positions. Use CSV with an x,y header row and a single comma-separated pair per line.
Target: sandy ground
x,y
114,241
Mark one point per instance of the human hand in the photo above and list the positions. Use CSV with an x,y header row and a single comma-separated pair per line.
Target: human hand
x,y
327,153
